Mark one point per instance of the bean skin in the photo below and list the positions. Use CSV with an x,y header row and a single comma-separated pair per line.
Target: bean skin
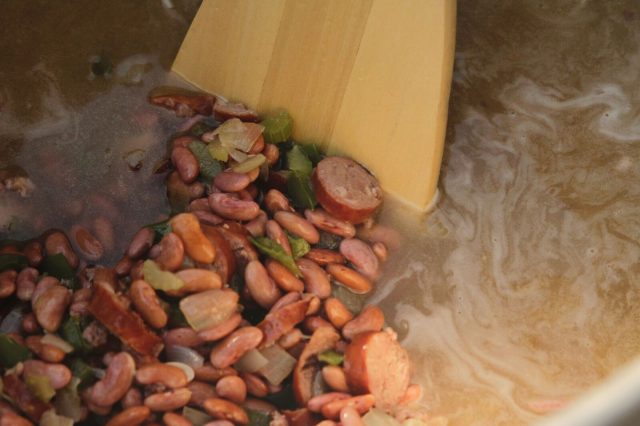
x,y
140,243
315,404
337,312
171,252
370,318
261,287
183,336
361,403
297,226
231,349
315,278
226,410
197,245
186,164
59,375
232,388
356,282
257,226
46,352
146,301
7,283
230,181
132,416
168,401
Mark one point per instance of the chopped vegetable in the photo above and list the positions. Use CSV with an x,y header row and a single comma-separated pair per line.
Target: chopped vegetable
x,y
377,417
331,357
13,261
299,246
40,386
50,418
159,279
298,161
354,302
188,371
57,265
249,164
275,251
280,364
12,352
277,127
209,166
12,322
55,340
312,152
251,362
176,318
160,229
218,152
258,418
418,422
196,417
203,126
68,402
82,372
72,333
234,134
299,187
184,355
22,396
209,308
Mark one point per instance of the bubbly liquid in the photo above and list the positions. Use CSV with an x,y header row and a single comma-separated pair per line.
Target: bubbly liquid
x,y
518,290
522,289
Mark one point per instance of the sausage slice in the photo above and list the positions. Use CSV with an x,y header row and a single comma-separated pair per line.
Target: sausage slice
x,y
374,362
345,189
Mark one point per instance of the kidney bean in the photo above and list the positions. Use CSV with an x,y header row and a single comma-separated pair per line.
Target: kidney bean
x,y
89,246
271,153
49,308
200,204
327,423
98,409
123,267
209,373
361,403
230,181
198,247
103,228
232,388
166,374
285,300
291,338
356,282
361,256
230,207
171,252
45,351
30,324
26,283
381,233
277,234
380,251
140,243
297,226
196,280
218,423
7,283
314,303
261,287
43,285
241,248
173,419
186,164
80,302
132,398
146,302
312,323
33,252
57,242
184,336
58,374
136,270
182,141
315,404
257,226
208,218
370,318
253,175
349,416
276,201
324,257
253,189
337,312
115,383
323,220
10,418
315,278
169,400
175,185
335,378
132,416
200,391
257,146
255,385
231,349
225,410
244,195
221,330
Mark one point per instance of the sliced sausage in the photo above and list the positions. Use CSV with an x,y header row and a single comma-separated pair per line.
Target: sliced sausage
x,y
375,363
345,189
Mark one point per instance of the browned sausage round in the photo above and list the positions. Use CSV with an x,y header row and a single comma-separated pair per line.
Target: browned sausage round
x,y
345,189
375,363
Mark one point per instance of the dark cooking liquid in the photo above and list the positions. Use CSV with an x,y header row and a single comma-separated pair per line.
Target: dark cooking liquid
x,y
519,290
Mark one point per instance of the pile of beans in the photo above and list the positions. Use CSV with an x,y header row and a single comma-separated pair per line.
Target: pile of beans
x,y
152,347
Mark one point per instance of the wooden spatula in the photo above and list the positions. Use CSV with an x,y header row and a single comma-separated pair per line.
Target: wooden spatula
x,y
365,78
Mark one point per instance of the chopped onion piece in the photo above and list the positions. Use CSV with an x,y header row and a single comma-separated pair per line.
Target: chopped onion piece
x,y
251,163
184,355
209,308
50,418
251,362
376,417
68,402
197,417
280,364
188,371
237,155
58,342
234,134
12,323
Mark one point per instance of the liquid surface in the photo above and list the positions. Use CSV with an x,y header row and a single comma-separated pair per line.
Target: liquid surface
x,y
522,290
517,292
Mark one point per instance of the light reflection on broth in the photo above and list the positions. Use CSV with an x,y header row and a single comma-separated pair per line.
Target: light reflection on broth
x,y
522,291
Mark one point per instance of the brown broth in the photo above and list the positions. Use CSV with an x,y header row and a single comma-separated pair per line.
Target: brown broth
x,y
520,287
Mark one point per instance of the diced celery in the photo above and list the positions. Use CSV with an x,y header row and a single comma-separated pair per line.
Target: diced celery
x,y
159,279
298,161
277,127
